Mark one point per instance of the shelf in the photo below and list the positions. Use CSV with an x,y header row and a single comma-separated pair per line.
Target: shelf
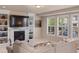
x,y
3,19
74,21
3,25
3,31
74,26
3,37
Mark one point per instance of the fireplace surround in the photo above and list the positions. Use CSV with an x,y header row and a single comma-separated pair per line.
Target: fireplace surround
x,y
19,35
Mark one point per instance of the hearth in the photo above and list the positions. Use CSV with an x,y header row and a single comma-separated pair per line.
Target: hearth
x,y
19,35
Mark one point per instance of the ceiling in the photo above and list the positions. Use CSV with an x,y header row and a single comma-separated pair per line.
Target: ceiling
x,y
32,8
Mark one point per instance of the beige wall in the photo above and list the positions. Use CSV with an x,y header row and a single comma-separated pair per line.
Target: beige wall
x,y
38,30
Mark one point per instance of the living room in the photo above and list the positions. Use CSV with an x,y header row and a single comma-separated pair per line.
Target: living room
x,y
39,29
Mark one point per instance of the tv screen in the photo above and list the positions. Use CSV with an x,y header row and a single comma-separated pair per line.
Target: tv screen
x,y
18,21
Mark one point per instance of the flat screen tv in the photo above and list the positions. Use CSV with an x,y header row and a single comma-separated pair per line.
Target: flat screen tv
x,y
18,21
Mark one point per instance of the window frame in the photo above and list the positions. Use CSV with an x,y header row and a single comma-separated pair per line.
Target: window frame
x,y
71,16
54,17
62,16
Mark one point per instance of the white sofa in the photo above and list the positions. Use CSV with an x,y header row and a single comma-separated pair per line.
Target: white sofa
x,y
45,47
23,47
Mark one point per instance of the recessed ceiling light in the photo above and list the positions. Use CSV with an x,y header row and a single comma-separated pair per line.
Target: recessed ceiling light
x,y
38,6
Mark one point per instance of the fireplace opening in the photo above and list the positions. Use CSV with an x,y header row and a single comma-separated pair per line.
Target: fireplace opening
x,y
19,35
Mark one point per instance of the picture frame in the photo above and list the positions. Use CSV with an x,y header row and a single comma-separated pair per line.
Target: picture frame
x,y
38,23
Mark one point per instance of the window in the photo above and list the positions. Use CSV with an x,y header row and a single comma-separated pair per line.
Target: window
x,y
61,23
66,26
74,26
52,23
63,26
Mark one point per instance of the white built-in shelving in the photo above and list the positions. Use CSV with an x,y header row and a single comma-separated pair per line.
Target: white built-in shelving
x,y
4,17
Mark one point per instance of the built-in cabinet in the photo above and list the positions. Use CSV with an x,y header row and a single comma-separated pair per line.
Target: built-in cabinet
x,y
31,27
4,17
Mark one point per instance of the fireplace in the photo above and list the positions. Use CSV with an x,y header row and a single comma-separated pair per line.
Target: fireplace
x,y
19,35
